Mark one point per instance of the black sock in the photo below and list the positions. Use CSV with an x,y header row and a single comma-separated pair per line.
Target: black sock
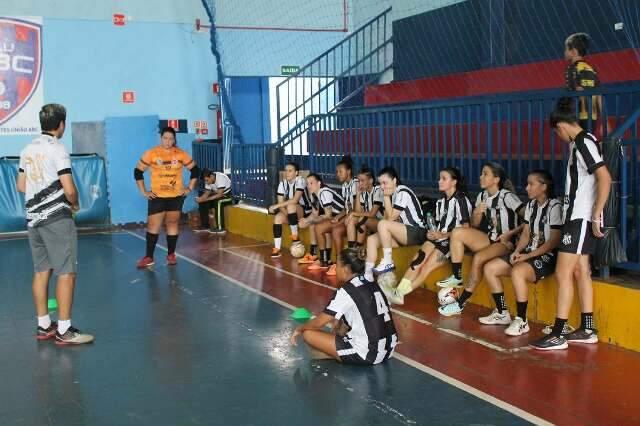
x,y
558,327
328,251
457,269
586,322
464,297
324,256
152,239
522,310
500,302
172,241
293,219
313,249
351,244
277,231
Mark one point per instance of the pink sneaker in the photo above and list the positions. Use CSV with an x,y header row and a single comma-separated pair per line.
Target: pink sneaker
x,y
171,259
145,262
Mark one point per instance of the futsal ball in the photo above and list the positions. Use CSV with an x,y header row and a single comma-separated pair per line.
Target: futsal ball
x,y
388,280
447,296
297,250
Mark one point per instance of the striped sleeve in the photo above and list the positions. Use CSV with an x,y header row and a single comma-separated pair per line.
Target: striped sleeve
x,y
62,161
340,304
401,201
463,209
301,183
326,198
281,190
589,154
527,213
512,202
555,216
378,197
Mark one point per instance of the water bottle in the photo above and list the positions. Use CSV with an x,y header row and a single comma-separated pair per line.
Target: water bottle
x,y
431,223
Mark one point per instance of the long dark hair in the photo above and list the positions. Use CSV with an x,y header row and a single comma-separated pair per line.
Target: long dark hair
x,y
354,259
498,171
546,178
316,177
391,172
461,184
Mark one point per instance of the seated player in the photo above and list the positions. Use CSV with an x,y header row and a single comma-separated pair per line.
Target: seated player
x,y
500,208
534,257
372,336
453,210
293,204
217,194
367,211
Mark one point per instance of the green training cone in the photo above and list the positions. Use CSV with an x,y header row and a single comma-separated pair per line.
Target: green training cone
x,y
52,304
301,314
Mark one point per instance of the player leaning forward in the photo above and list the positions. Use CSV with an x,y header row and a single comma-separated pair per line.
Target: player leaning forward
x,y
51,197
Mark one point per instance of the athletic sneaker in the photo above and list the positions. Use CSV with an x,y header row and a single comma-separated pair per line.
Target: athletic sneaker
x,y
550,343
331,272
384,267
47,333
171,259
295,240
145,262
73,336
275,252
565,330
450,309
393,296
450,281
518,327
496,318
217,231
582,335
308,258
200,229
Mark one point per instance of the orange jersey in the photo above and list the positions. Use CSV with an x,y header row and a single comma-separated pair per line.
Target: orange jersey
x,y
166,170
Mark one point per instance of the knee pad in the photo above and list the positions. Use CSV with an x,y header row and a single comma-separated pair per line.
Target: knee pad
x,y
293,218
418,260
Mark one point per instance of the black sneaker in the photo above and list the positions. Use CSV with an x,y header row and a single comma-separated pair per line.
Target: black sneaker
x,y
550,343
275,252
582,335
73,336
47,333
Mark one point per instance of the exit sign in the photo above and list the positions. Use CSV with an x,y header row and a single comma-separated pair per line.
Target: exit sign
x,y
289,69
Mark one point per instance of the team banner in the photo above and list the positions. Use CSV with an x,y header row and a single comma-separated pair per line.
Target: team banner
x,y
21,85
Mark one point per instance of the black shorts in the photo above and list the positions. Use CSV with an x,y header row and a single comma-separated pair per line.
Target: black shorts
x,y
442,246
577,238
306,213
159,205
416,236
543,265
349,355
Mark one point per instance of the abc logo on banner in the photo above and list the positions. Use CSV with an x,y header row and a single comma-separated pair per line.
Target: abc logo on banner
x,y
21,87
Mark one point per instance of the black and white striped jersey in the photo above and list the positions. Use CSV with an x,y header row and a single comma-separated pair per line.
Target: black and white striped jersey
x,y
405,200
327,198
372,198
222,182
541,220
502,212
452,212
288,190
349,191
43,161
580,185
363,306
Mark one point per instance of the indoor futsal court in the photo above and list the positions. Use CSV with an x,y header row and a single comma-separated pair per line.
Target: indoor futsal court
x,y
335,212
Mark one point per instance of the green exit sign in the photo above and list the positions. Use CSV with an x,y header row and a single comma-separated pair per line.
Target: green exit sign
x,y
289,69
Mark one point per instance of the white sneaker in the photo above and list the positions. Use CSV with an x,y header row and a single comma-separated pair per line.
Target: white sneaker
x,y
518,327
451,281
496,318
384,267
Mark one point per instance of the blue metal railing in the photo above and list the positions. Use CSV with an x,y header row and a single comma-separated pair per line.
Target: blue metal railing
x,y
249,178
208,155
331,80
420,139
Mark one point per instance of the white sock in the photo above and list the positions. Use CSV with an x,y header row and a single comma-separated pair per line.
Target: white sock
x,y
44,322
294,229
368,270
277,242
387,255
63,326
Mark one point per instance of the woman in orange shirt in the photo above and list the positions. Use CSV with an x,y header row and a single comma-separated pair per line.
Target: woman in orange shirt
x,y
167,191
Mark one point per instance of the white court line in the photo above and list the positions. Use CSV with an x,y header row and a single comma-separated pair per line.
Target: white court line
x,y
415,364
395,311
